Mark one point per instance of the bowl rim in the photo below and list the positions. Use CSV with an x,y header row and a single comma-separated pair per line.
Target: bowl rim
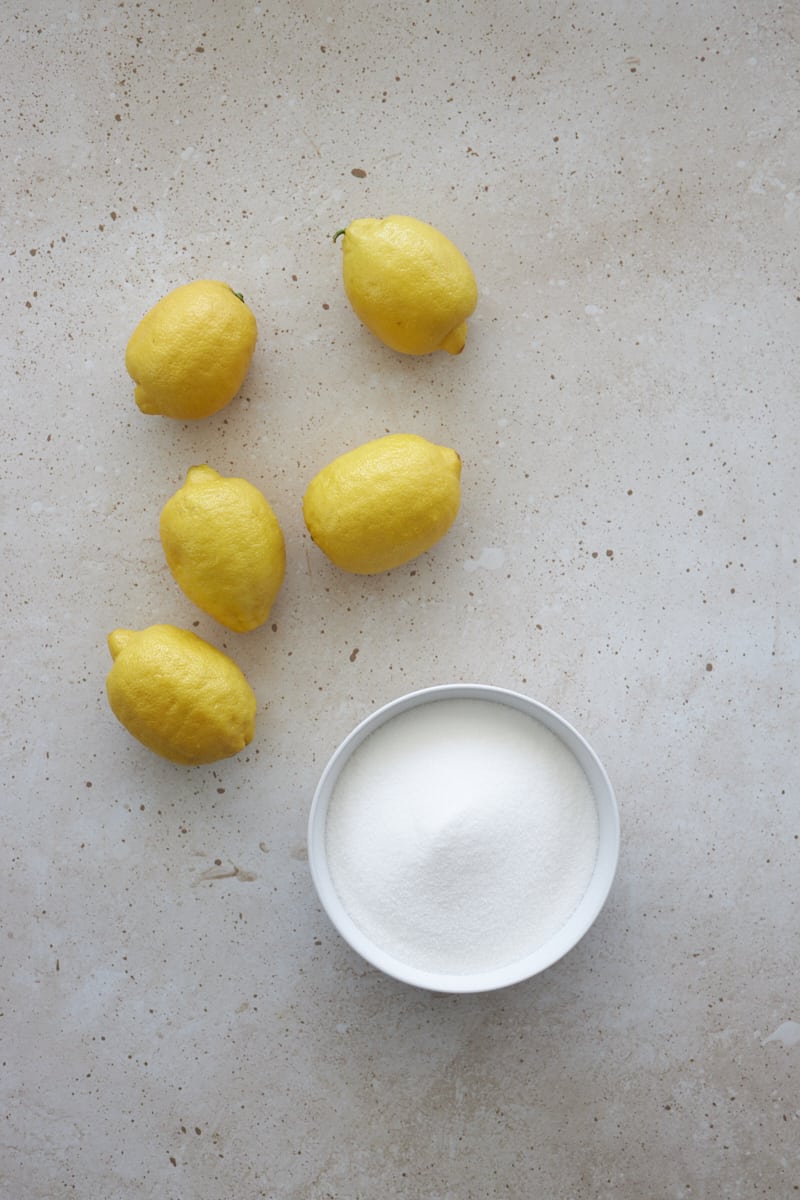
x,y
545,955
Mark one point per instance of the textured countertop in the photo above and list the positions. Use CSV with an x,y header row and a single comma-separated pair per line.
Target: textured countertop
x,y
177,1017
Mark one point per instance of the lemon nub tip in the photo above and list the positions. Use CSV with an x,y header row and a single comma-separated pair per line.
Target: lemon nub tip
x,y
200,472
142,402
118,639
456,339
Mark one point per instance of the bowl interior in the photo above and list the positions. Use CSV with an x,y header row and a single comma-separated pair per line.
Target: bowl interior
x,y
544,955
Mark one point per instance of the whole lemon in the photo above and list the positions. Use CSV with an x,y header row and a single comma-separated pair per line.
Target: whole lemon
x,y
189,355
178,695
382,504
408,283
224,547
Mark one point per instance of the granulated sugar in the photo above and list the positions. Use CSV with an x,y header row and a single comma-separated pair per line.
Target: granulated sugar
x,y
461,835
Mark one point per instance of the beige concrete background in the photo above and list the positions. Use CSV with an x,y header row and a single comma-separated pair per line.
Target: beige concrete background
x,y
178,1019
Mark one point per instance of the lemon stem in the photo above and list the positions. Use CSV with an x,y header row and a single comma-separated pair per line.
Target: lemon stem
x,y
339,233
238,295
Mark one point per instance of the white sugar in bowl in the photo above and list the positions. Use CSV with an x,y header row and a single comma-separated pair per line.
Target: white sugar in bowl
x,y
463,838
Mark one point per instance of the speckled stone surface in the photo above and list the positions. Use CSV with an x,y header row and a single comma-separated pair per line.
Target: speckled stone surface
x,y
177,1017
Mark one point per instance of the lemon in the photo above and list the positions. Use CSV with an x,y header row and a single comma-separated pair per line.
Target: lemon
x,y
189,355
178,695
382,504
224,547
408,283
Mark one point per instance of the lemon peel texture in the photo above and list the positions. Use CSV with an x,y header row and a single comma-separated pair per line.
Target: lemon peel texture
x,y
384,503
178,695
189,355
224,546
408,284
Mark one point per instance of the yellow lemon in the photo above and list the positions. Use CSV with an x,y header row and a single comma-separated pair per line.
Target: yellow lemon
x,y
408,283
382,504
189,355
178,695
224,547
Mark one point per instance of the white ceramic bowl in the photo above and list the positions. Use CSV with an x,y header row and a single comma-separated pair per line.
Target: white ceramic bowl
x,y
542,956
